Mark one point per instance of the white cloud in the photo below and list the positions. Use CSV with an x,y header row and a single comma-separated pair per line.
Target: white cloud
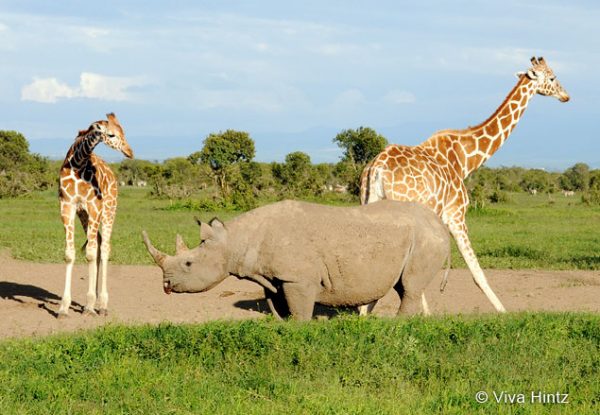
x,y
339,49
397,96
91,85
497,61
278,98
235,99
46,90
7,38
108,88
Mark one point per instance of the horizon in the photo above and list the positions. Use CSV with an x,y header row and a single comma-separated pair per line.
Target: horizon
x,y
293,76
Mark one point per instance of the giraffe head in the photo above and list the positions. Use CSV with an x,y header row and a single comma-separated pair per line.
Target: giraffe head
x,y
545,80
112,134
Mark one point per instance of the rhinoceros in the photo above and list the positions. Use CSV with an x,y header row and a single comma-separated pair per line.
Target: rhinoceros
x,y
304,253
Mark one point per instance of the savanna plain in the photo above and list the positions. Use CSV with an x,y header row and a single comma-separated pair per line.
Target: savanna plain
x,y
246,362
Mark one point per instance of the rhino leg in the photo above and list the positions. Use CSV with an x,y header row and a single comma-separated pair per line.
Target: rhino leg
x,y
301,297
410,305
277,304
411,300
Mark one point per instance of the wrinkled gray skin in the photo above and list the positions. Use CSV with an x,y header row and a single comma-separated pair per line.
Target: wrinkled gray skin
x,y
302,253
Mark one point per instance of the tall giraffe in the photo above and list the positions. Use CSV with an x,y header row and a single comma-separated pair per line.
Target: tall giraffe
x,y
88,189
434,171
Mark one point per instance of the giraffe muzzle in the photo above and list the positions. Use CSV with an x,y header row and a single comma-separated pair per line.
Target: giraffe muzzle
x,y
128,152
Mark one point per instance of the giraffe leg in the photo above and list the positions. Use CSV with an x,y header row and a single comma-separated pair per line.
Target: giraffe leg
x,y
459,232
424,305
366,309
67,212
107,221
91,254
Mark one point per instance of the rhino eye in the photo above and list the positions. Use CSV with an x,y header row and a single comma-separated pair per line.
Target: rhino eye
x,y
188,263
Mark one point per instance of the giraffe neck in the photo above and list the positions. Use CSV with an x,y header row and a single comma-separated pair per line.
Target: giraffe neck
x,y
82,149
469,149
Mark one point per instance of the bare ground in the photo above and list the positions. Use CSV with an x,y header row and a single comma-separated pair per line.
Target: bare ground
x,y
30,295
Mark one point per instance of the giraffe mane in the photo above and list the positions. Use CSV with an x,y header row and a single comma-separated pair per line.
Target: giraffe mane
x,y
467,130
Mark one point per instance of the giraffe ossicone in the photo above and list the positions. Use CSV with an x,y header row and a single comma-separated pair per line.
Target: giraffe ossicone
x,y
88,189
434,171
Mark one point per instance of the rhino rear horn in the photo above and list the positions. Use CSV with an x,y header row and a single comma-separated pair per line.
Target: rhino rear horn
x,y
180,246
159,257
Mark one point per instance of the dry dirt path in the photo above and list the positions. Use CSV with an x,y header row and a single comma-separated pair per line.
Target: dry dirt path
x,y
30,295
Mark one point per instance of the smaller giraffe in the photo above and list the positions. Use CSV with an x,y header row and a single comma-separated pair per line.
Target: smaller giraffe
x,y
88,189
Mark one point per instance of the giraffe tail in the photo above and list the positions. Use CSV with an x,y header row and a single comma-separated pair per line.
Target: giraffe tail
x,y
371,184
99,244
364,183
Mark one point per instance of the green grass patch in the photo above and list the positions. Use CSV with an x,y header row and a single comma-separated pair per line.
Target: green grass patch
x,y
344,365
527,232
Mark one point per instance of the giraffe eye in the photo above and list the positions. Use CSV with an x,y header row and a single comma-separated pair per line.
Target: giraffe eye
x,y
111,135
552,78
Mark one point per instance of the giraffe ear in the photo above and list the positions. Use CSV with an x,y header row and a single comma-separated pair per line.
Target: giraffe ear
x,y
532,74
112,118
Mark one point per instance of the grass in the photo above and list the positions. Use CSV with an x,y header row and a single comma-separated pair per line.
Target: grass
x,y
527,232
345,365
536,232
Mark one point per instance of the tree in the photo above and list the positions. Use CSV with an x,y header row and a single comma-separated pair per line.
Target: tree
x,y
298,175
576,177
222,152
20,171
131,171
14,150
361,145
537,179
592,196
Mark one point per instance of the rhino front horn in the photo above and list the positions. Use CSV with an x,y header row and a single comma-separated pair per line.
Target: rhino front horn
x,y
180,245
158,256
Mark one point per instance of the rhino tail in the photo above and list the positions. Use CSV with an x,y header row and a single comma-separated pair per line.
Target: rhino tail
x,y
446,272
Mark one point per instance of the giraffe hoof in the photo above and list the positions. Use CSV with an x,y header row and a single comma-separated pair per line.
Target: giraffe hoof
x,y
103,312
61,315
89,312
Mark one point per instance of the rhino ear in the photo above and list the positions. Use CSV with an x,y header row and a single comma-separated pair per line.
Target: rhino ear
x,y
215,229
218,229
206,232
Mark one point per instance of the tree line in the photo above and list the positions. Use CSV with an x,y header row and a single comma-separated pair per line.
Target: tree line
x,y
224,174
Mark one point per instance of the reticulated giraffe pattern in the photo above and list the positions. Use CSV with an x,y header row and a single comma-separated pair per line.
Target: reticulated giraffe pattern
x,y
88,189
434,171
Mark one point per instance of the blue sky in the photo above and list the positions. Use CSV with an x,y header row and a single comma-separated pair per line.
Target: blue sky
x,y
293,74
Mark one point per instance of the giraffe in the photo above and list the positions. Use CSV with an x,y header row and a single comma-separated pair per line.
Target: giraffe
x,y
434,171
88,189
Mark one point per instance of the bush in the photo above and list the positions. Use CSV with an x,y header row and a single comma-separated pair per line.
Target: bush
x,y
20,171
499,196
592,196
